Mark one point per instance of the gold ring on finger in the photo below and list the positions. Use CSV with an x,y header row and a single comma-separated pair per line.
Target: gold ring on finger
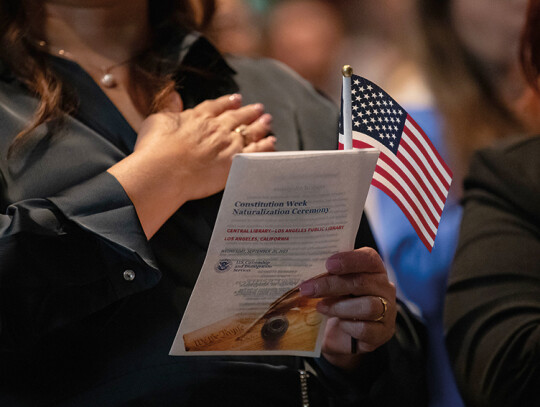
x,y
384,303
242,131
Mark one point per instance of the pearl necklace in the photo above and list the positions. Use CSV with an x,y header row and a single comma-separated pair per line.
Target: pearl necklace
x,y
107,78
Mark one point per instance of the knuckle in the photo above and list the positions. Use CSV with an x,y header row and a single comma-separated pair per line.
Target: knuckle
x,y
335,283
337,308
255,148
204,116
228,115
358,330
211,125
205,126
372,257
166,121
374,307
321,286
357,282
221,143
158,118
200,112
203,106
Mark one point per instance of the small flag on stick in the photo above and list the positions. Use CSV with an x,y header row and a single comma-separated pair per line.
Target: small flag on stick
x,y
409,169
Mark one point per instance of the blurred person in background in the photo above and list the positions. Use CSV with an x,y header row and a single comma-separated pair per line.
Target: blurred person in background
x,y
420,275
378,35
492,310
469,53
307,36
236,28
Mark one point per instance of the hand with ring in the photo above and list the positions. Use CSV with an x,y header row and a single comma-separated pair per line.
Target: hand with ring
x,y
360,302
184,155
242,131
251,134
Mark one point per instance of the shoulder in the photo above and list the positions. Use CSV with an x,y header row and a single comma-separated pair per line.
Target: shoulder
x,y
514,149
515,156
290,99
269,75
17,108
508,171
268,71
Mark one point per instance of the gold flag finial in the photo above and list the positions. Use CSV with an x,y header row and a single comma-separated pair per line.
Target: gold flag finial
x,y
347,71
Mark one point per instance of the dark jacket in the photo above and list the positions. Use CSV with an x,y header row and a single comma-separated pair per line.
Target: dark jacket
x,y
493,302
74,329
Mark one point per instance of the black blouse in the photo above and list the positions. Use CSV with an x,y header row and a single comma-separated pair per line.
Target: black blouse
x,y
88,307
492,311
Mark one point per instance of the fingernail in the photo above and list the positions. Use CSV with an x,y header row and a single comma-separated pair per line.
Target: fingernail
x,y
266,118
271,139
333,265
307,288
259,107
236,97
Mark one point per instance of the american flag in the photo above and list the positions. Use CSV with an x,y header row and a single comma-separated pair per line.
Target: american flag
x,y
409,169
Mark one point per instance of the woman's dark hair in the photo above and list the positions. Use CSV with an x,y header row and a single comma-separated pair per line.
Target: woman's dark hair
x,y
530,45
29,65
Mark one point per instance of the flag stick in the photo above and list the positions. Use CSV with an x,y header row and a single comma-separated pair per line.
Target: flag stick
x,y
347,72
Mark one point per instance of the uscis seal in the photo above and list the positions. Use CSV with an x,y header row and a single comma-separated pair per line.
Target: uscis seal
x,y
223,265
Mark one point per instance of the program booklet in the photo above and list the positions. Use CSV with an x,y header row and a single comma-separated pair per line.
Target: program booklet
x,y
282,215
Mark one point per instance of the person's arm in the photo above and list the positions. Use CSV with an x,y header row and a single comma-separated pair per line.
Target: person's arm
x,y
65,257
183,156
72,254
492,311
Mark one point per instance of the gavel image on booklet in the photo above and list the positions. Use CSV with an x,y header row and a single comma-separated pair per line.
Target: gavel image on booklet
x,y
291,322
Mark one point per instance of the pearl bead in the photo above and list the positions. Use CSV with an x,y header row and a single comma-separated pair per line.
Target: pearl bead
x,y
108,80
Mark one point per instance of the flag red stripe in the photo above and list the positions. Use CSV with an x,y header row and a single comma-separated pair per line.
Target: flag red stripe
x,y
359,144
388,192
420,148
425,173
421,182
391,180
415,188
414,170
420,178
432,147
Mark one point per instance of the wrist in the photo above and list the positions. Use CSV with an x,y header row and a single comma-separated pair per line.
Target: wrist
x,y
153,191
345,362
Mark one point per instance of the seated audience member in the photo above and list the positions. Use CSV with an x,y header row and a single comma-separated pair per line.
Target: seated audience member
x,y
118,124
236,28
468,54
307,36
492,311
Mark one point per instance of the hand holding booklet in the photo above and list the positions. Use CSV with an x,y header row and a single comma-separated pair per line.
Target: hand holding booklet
x,y
282,215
